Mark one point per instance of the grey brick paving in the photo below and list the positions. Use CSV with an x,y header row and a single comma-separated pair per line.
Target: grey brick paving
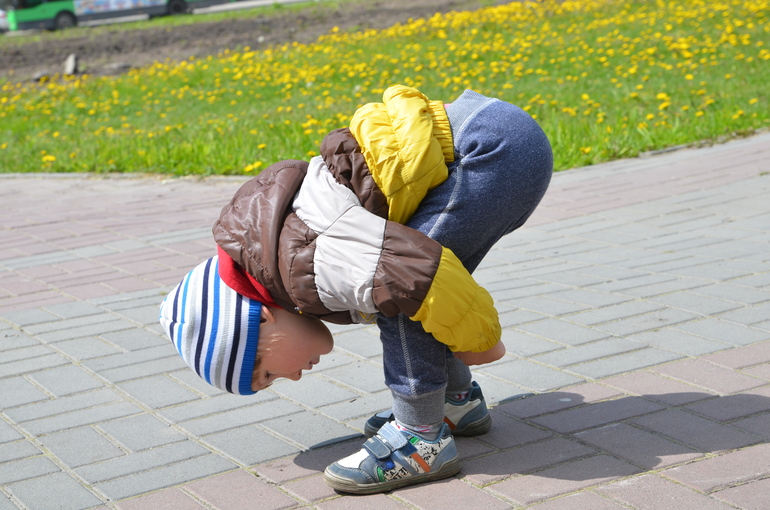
x,y
140,432
737,293
563,332
590,297
23,469
222,402
139,462
62,405
314,391
17,450
74,309
250,445
530,375
625,362
238,417
613,313
89,329
134,339
695,303
27,317
310,430
678,341
124,359
143,369
16,391
362,375
34,362
65,380
8,433
724,331
158,391
749,315
359,407
96,406
591,351
646,322
166,476
525,345
54,492
79,418
661,288
86,348
25,353
6,504
80,446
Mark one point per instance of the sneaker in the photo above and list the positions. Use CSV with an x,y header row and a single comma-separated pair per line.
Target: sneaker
x,y
394,458
468,417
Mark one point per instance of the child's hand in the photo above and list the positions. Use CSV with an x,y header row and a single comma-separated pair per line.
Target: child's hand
x,y
479,358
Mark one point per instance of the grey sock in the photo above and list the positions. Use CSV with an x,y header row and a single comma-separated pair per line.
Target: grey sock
x,y
458,377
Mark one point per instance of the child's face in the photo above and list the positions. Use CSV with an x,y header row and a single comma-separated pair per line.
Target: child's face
x,y
288,344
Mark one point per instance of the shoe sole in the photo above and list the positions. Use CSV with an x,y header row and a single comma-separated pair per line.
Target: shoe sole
x,y
450,468
476,428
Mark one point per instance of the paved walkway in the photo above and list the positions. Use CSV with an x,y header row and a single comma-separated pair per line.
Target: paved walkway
x,y
635,307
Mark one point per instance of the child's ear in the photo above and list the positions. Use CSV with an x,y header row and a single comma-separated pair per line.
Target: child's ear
x,y
267,315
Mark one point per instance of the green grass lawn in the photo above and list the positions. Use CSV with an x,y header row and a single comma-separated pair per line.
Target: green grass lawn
x,y
605,79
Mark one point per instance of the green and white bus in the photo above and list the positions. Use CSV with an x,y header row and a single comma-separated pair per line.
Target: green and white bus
x,y
59,14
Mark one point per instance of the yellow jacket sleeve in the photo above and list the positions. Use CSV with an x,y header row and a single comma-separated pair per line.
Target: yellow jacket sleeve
x,y
406,141
457,311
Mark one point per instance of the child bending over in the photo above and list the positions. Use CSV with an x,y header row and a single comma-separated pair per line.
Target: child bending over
x,y
385,226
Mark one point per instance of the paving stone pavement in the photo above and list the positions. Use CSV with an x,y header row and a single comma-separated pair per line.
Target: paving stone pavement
x,y
636,313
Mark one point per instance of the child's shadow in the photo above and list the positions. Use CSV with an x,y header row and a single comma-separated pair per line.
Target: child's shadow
x,y
640,433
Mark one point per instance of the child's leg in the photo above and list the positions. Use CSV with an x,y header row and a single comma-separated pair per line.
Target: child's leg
x,y
502,167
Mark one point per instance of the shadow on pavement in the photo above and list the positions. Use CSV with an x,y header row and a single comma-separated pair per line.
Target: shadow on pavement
x,y
546,433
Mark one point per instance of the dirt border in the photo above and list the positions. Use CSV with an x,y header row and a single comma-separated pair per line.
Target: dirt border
x,y
113,52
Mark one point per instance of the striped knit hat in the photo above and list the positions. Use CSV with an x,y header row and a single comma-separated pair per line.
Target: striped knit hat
x,y
215,329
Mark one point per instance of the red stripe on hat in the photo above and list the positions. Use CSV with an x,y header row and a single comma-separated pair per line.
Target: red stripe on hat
x,y
242,282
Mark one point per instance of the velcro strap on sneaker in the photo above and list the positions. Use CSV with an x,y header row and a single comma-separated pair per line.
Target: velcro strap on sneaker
x,y
377,448
393,436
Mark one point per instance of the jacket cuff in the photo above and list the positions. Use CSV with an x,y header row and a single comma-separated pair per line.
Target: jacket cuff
x,y
442,131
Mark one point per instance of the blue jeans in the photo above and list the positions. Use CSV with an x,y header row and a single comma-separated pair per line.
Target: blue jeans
x,y
502,168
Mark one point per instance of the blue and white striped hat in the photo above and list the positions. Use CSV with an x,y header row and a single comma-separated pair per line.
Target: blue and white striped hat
x,y
215,329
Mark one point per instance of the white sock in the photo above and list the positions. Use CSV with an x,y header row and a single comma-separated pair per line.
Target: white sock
x,y
427,432
459,396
